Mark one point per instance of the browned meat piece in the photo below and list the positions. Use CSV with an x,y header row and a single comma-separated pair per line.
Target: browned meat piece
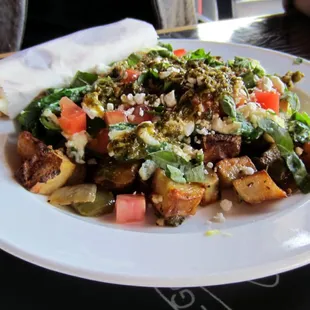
x,y
28,145
219,146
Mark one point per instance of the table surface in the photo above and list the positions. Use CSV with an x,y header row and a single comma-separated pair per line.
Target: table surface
x,y
27,286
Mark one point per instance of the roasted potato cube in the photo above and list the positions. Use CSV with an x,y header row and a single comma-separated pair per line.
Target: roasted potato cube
x,y
174,199
220,146
257,188
230,169
44,173
116,175
211,186
28,145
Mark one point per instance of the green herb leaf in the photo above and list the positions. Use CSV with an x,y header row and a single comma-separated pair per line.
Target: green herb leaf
x,y
133,59
164,158
292,100
299,131
302,117
175,174
83,78
298,61
286,147
195,174
168,46
248,79
228,105
49,124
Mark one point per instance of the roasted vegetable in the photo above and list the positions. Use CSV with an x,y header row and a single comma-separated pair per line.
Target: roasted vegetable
x,y
28,145
68,195
257,188
220,146
116,175
45,172
211,186
78,176
230,169
103,204
174,199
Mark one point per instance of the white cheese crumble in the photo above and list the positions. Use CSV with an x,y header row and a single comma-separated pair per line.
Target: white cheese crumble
x,y
141,112
248,170
49,114
219,217
156,103
92,112
223,126
157,199
189,128
170,99
191,80
278,84
110,106
128,99
139,98
76,146
147,169
265,84
299,150
129,111
210,165
131,118
165,74
203,131
226,205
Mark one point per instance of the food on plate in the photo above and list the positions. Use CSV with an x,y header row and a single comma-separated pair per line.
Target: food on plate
x,y
169,129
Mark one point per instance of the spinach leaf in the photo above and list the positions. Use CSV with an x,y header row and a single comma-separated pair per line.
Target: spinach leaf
x,y
247,130
292,100
175,174
200,54
302,117
29,118
195,174
248,79
164,158
49,124
299,131
168,46
249,64
228,105
133,59
286,147
83,78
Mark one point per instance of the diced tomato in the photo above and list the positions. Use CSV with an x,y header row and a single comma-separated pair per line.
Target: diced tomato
x,y
140,114
100,143
132,75
268,100
115,117
130,208
180,52
72,118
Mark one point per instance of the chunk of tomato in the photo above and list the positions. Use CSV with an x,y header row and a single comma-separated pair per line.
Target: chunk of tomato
x,y
130,208
100,143
268,100
180,52
115,117
140,114
131,76
72,118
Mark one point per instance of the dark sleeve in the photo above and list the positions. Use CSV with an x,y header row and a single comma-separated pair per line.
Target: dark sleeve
x,y
50,19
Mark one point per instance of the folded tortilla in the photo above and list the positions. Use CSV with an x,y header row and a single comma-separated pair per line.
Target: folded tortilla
x,y
53,64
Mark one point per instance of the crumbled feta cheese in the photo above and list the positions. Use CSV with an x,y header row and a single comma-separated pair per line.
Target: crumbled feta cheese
x,y
92,111
210,165
156,103
278,84
299,150
224,127
131,118
110,106
128,99
199,113
157,59
226,205
76,146
147,169
206,171
200,80
145,133
265,84
203,131
192,80
139,98
164,74
219,217
162,100
197,140
49,114
189,128
111,154
156,199
141,112
170,99
129,111
187,140
248,170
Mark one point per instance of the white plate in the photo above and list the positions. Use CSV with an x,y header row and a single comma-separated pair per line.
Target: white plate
x,y
264,240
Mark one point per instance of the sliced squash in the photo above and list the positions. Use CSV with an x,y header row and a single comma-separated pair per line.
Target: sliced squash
x,y
211,186
258,188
